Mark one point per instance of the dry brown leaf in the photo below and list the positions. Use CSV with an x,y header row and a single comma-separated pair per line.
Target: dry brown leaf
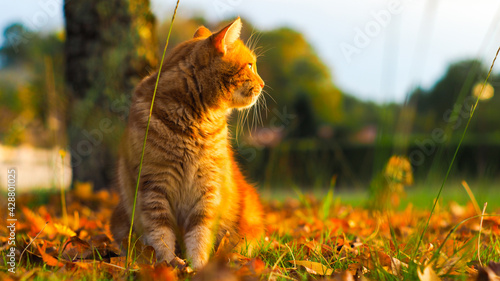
x,y
314,268
76,248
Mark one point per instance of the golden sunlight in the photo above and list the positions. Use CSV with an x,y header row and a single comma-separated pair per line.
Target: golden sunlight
x,y
486,94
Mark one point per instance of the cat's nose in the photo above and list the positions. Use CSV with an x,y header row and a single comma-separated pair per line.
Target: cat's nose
x,y
262,85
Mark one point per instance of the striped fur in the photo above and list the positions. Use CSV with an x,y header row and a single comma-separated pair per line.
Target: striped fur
x,y
191,191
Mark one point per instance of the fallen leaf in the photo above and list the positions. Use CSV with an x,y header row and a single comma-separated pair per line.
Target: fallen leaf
x,y
84,190
76,248
216,270
48,259
64,230
428,274
255,267
222,249
161,272
118,261
315,268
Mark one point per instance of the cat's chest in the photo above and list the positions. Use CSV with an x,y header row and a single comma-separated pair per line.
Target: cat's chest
x,y
204,163
206,173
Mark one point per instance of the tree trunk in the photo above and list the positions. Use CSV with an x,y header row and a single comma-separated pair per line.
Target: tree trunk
x,y
110,45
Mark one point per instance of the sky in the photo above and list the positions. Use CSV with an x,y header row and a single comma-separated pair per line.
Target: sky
x,y
377,50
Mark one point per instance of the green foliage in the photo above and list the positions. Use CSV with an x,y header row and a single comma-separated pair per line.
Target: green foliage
x,y
296,75
31,97
449,101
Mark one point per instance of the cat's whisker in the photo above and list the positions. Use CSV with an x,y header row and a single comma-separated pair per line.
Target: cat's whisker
x,y
238,117
242,120
252,121
246,117
259,109
257,39
265,92
261,51
251,40
258,52
264,105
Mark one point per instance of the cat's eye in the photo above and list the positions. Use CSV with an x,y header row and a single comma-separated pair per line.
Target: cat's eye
x,y
250,66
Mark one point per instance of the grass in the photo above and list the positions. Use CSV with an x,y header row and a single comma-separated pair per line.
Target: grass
x,y
341,237
420,195
455,154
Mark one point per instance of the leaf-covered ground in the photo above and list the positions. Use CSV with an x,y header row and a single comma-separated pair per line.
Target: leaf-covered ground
x,y
307,239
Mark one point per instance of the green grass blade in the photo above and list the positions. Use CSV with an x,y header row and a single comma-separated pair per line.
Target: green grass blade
x,y
327,203
146,135
454,157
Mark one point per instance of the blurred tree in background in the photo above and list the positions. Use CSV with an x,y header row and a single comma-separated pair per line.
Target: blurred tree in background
x,y
110,45
310,131
455,86
299,81
32,99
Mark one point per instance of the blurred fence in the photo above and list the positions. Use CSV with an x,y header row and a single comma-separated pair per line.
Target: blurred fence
x,y
36,168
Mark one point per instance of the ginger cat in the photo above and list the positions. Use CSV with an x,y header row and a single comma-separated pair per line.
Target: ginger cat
x,y
191,190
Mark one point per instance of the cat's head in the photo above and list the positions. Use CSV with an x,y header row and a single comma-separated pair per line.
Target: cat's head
x,y
229,64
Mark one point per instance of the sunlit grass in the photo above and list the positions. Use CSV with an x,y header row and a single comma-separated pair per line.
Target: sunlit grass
x,y
455,154
341,237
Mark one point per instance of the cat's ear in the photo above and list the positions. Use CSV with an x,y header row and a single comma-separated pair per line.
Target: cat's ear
x,y
202,32
227,36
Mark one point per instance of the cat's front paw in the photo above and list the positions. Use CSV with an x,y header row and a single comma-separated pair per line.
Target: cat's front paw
x,y
162,255
163,241
198,262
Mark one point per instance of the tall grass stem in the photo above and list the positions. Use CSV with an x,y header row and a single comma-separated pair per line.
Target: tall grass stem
x,y
62,153
472,197
479,235
454,157
146,135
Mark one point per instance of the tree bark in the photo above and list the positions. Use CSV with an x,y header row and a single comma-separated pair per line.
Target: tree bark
x,y
110,45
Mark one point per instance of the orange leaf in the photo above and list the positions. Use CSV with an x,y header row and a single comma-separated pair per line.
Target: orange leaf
x,y
161,272
83,190
36,222
255,267
48,259
222,249
64,230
